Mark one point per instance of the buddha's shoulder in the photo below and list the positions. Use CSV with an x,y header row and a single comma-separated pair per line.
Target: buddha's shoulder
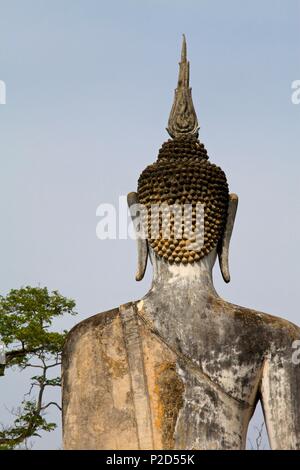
x,y
254,321
96,322
102,322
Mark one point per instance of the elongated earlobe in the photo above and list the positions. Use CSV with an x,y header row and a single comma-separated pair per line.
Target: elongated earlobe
x,y
142,245
223,250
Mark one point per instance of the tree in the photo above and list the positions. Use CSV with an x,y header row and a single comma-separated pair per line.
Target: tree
x,y
26,318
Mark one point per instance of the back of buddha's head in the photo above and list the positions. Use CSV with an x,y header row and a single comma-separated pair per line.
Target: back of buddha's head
x,y
183,176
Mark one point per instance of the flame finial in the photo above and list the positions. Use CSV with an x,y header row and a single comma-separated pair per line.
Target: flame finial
x,y
183,119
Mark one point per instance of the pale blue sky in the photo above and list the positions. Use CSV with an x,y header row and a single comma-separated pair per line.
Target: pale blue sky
x,y
89,89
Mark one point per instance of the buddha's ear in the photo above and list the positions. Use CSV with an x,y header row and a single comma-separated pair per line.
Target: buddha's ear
x,y
142,245
223,249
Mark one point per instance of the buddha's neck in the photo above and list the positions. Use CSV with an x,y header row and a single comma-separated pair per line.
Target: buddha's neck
x,y
196,277
177,295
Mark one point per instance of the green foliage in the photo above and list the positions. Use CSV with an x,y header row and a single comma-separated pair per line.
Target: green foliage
x,y
26,316
26,425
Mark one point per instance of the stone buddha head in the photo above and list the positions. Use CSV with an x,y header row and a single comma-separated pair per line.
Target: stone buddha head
x,y
185,207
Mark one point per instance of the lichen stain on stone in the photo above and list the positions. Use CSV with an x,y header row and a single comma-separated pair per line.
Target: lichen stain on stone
x,y
117,367
253,318
129,397
169,389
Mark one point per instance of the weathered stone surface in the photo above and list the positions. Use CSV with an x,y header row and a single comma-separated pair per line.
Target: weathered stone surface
x,y
116,407
180,369
97,395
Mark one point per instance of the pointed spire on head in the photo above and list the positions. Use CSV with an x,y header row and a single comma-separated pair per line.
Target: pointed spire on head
x,y
183,49
183,119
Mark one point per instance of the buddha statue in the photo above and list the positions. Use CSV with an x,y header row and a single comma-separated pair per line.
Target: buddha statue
x,y
181,368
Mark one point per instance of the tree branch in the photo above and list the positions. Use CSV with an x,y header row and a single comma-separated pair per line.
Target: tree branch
x,y
10,355
52,403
